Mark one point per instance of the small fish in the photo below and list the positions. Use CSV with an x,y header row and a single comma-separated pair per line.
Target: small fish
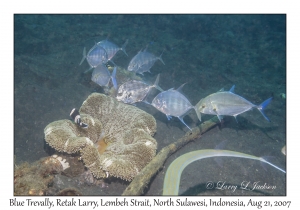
x,y
76,117
135,91
173,103
97,55
143,61
101,76
227,103
112,48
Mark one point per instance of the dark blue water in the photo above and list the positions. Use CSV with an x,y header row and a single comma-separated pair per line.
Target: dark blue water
x,y
208,52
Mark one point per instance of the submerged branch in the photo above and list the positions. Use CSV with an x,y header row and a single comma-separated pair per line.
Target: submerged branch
x,y
139,183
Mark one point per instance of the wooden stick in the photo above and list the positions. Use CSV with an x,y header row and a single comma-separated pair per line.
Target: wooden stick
x,y
138,184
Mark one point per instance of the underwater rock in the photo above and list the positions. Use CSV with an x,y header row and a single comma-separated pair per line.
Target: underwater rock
x,y
69,192
34,179
87,178
118,141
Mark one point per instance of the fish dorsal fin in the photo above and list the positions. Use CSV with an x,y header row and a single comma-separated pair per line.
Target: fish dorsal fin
x,y
83,56
156,83
180,88
157,80
160,58
171,89
107,37
221,90
146,48
162,52
123,47
141,50
232,89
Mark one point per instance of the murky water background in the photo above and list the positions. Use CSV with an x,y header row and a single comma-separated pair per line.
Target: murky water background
x,y
208,52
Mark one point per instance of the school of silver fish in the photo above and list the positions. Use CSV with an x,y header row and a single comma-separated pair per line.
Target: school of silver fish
x,y
171,102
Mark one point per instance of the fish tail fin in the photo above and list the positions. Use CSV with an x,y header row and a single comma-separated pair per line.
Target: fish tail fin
x,y
262,106
83,56
160,58
113,78
123,47
156,83
198,112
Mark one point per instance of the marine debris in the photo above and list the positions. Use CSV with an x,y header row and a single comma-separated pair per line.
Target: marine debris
x,y
118,141
173,174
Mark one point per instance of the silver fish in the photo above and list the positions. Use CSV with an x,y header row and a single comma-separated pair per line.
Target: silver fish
x,y
227,103
112,48
101,76
135,91
143,61
173,103
97,55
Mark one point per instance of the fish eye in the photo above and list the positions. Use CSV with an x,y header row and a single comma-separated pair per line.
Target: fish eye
x,y
203,106
119,94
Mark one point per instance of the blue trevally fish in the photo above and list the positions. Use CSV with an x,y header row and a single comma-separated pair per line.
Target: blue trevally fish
x,y
143,61
96,56
102,76
173,103
228,103
135,91
112,48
